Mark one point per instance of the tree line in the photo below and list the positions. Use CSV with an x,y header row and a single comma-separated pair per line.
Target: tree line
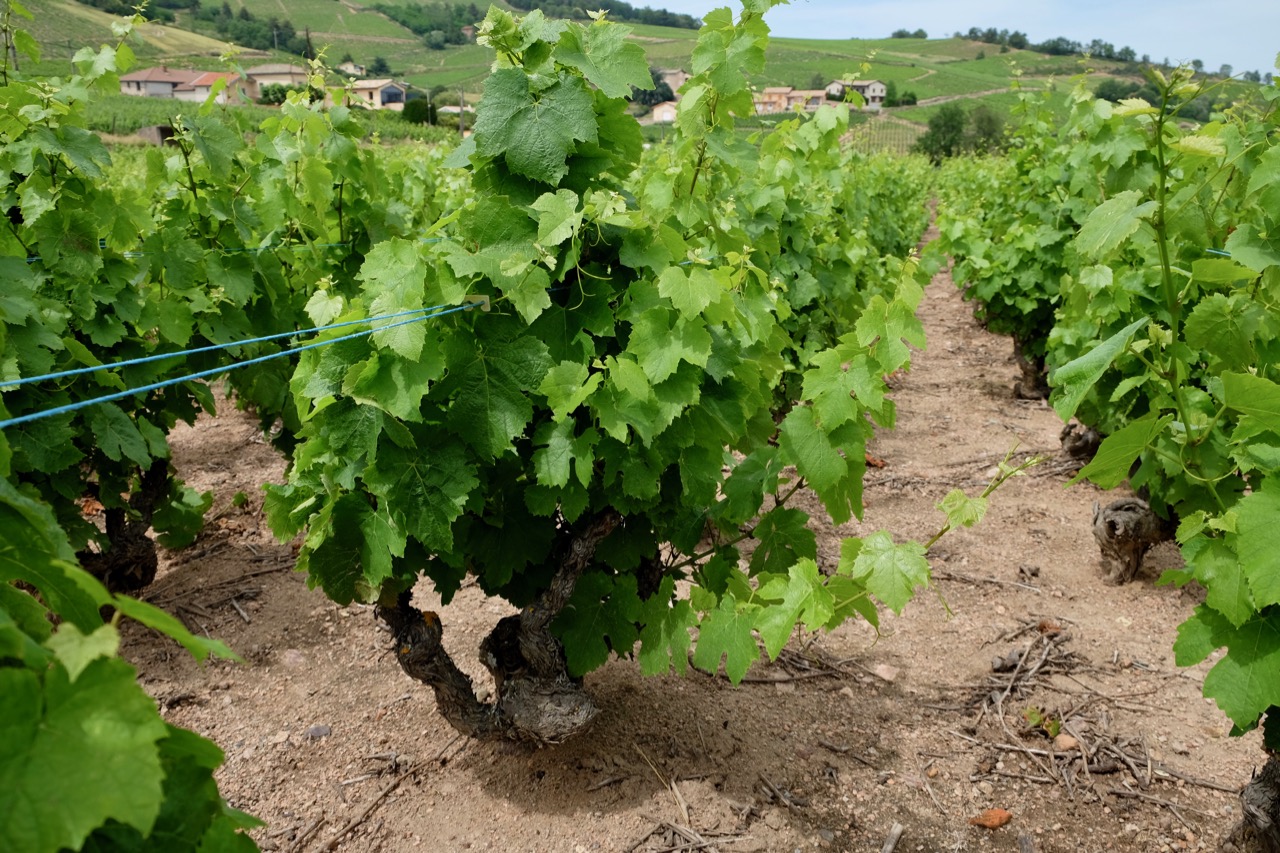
x,y
438,24
617,10
248,30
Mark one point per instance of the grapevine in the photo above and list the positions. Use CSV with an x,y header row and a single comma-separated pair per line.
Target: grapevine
x,y
650,389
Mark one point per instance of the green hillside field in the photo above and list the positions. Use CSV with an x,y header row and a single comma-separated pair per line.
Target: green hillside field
x,y
946,68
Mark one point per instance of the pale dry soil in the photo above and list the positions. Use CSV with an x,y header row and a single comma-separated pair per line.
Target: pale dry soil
x,y
318,722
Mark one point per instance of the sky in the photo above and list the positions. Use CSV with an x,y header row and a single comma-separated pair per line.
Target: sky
x,y
1244,34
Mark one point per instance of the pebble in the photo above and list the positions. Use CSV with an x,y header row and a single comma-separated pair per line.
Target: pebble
x,y
318,731
886,672
1065,743
847,692
986,788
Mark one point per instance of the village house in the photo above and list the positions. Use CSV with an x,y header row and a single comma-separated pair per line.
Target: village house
x,y
274,72
201,87
872,91
379,94
352,68
664,113
806,99
156,82
674,78
772,100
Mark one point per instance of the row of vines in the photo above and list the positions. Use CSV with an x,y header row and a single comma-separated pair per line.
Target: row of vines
x,y
575,370
1137,259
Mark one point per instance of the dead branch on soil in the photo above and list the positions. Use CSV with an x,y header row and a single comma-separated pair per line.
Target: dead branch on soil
x,y
891,841
1077,746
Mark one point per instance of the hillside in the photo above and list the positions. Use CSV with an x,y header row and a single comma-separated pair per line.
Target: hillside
x,y
930,68
63,26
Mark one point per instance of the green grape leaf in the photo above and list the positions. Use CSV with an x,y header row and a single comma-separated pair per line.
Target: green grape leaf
x,y
76,650
962,510
425,491
492,405
534,133
1215,565
1220,271
179,522
1254,396
665,639
890,571
199,647
392,279
395,385
831,384
605,56
1117,452
33,549
783,540
800,596
349,549
1246,681
752,478
886,328
1224,329
599,617
833,472
567,386
1073,380
117,435
1249,247
690,291
560,217
551,461
48,444
659,347
74,754
850,598
726,634
1258,541
22,614
1111,223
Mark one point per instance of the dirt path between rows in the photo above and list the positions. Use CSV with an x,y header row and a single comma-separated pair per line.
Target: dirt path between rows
x,y
854,734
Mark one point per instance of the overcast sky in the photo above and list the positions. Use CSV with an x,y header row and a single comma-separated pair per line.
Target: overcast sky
x,y
1244,34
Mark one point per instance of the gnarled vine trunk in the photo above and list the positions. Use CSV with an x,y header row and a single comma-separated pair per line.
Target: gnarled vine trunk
x,y
536,700
1034,384
1125,529
1258,830
130,561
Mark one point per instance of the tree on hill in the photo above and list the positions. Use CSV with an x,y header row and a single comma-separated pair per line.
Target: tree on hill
x,y
945,136
952,131
659,94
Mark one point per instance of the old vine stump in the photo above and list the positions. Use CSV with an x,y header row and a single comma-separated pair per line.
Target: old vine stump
x,y
1259,829
1125,529
537,700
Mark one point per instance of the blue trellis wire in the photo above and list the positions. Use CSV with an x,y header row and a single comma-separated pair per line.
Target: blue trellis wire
x,y
80,371
155,386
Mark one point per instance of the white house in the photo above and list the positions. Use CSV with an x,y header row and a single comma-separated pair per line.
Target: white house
x,y
379,94
352,68
274,72
872,91
156,82
664,113
199,89
674,77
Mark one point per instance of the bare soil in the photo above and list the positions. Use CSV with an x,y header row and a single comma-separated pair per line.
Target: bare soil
x,y
853,734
